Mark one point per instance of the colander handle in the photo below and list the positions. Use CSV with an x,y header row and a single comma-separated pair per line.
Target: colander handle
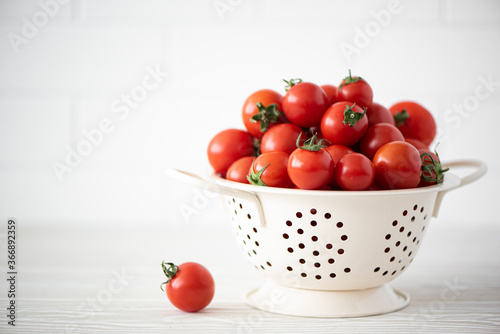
x,y
477,173
198,181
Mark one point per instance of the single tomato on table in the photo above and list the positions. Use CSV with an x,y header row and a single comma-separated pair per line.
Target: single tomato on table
x,y
190,287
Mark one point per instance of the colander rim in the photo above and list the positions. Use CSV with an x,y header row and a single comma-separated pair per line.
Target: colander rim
x,y
450,181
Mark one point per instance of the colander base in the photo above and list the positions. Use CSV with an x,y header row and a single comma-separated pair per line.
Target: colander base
x,y
275,298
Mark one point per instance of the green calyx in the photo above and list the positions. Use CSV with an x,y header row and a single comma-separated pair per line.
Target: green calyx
x,y
430,165
349,80
312,144
351,117
266,115
401,117
170,271
255,178
291,83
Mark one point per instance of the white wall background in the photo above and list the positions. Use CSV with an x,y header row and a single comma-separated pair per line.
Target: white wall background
x,y
65,66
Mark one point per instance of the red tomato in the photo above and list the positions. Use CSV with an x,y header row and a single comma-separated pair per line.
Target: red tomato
x,y
228,146
331,93
238,171
432,170
354,171
190,286
417,143
281,137
270,169
355,89
337,152
304,104
378,135
377,113
266,97
414,121
337,123
310,166
397,166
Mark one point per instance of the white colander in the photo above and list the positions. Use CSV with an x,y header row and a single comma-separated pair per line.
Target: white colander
x,y
330,253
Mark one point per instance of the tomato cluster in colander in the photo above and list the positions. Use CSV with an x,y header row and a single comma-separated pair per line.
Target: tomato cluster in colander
x,y
328,138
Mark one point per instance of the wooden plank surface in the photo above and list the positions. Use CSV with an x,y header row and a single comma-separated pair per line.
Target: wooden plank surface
x,y
97,280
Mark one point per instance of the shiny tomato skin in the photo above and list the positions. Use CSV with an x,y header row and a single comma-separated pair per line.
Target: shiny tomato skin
x,y
275,174
192,288
309,169
359,92
354,171
304,104
420,123
337,152
281,137
331,93
335,131
417,143
238,171
397,166
228,146
264,96
378,135
377,113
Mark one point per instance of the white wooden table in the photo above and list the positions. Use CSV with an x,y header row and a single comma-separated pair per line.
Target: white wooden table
x,y
100,280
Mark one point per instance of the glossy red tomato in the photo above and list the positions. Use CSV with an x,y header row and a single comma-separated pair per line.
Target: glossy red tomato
x,y
377,113
228,146
354,171
344,123
267,98
190,286
337,152
378,135
281,137
414,121
304,104
310,166
397,166
331,93
238,171
355,89
270,169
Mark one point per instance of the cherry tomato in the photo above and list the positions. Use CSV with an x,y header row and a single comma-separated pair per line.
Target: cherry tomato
x,y
281,137
378,135
304,104
268,113
228,146
337,152
270,169
190,286
238,171
377,113
310,166
414,121
432,170
331,93
354,171
344,123
355,89
397,166
417,143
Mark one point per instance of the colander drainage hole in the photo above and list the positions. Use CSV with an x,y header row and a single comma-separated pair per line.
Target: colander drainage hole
x,y
340,224
301,246
255,230
303,275
415,207
285,236
302,261
405,212
300,231
340,251
288,223
387,237
328,215
392,259
257,243
398,243
290,250
314,223
289,268
394,223
394,272
331,261
241,206
385,273
248,216
318,277
347,270
313,211
317,264
299,214
412,219
376,269
315,253
344,237
269,264
332,275
314,238
329,246
421,209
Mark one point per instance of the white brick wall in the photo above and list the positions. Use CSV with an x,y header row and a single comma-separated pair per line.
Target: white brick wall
x,y
72,73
